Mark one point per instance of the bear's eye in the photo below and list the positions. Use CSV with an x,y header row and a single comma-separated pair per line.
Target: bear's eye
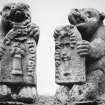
x,y
6,8
88,14
26,8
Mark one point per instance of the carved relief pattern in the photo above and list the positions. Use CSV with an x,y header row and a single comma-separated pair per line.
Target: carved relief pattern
x,y
91,49
18,44
20,50
70,67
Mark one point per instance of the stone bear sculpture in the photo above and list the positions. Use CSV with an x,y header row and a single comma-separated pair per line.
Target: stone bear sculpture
x,y
18,41
89,22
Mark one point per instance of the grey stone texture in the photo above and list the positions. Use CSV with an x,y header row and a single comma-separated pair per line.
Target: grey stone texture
x,y
90,49
18,41
70,67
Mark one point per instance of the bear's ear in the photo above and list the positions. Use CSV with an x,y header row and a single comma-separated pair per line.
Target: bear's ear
x,y
102,16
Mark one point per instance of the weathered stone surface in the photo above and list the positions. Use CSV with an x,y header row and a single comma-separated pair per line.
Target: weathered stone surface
x,y
45,100
70,67
89,23
18,43
14,103
62,94
50,100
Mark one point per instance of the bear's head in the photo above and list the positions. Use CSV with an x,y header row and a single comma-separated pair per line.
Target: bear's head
x,y
14,13
87,20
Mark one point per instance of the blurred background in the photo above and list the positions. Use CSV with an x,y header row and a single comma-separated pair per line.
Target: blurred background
x,y
48,14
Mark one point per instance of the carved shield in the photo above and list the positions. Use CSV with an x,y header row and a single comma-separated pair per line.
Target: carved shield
x,y
18,62
70,67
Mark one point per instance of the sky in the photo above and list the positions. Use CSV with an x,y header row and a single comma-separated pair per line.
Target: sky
x,y
49,14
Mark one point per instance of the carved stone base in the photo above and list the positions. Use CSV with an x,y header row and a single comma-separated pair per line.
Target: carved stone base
x,y
85,103
79,103
14,103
